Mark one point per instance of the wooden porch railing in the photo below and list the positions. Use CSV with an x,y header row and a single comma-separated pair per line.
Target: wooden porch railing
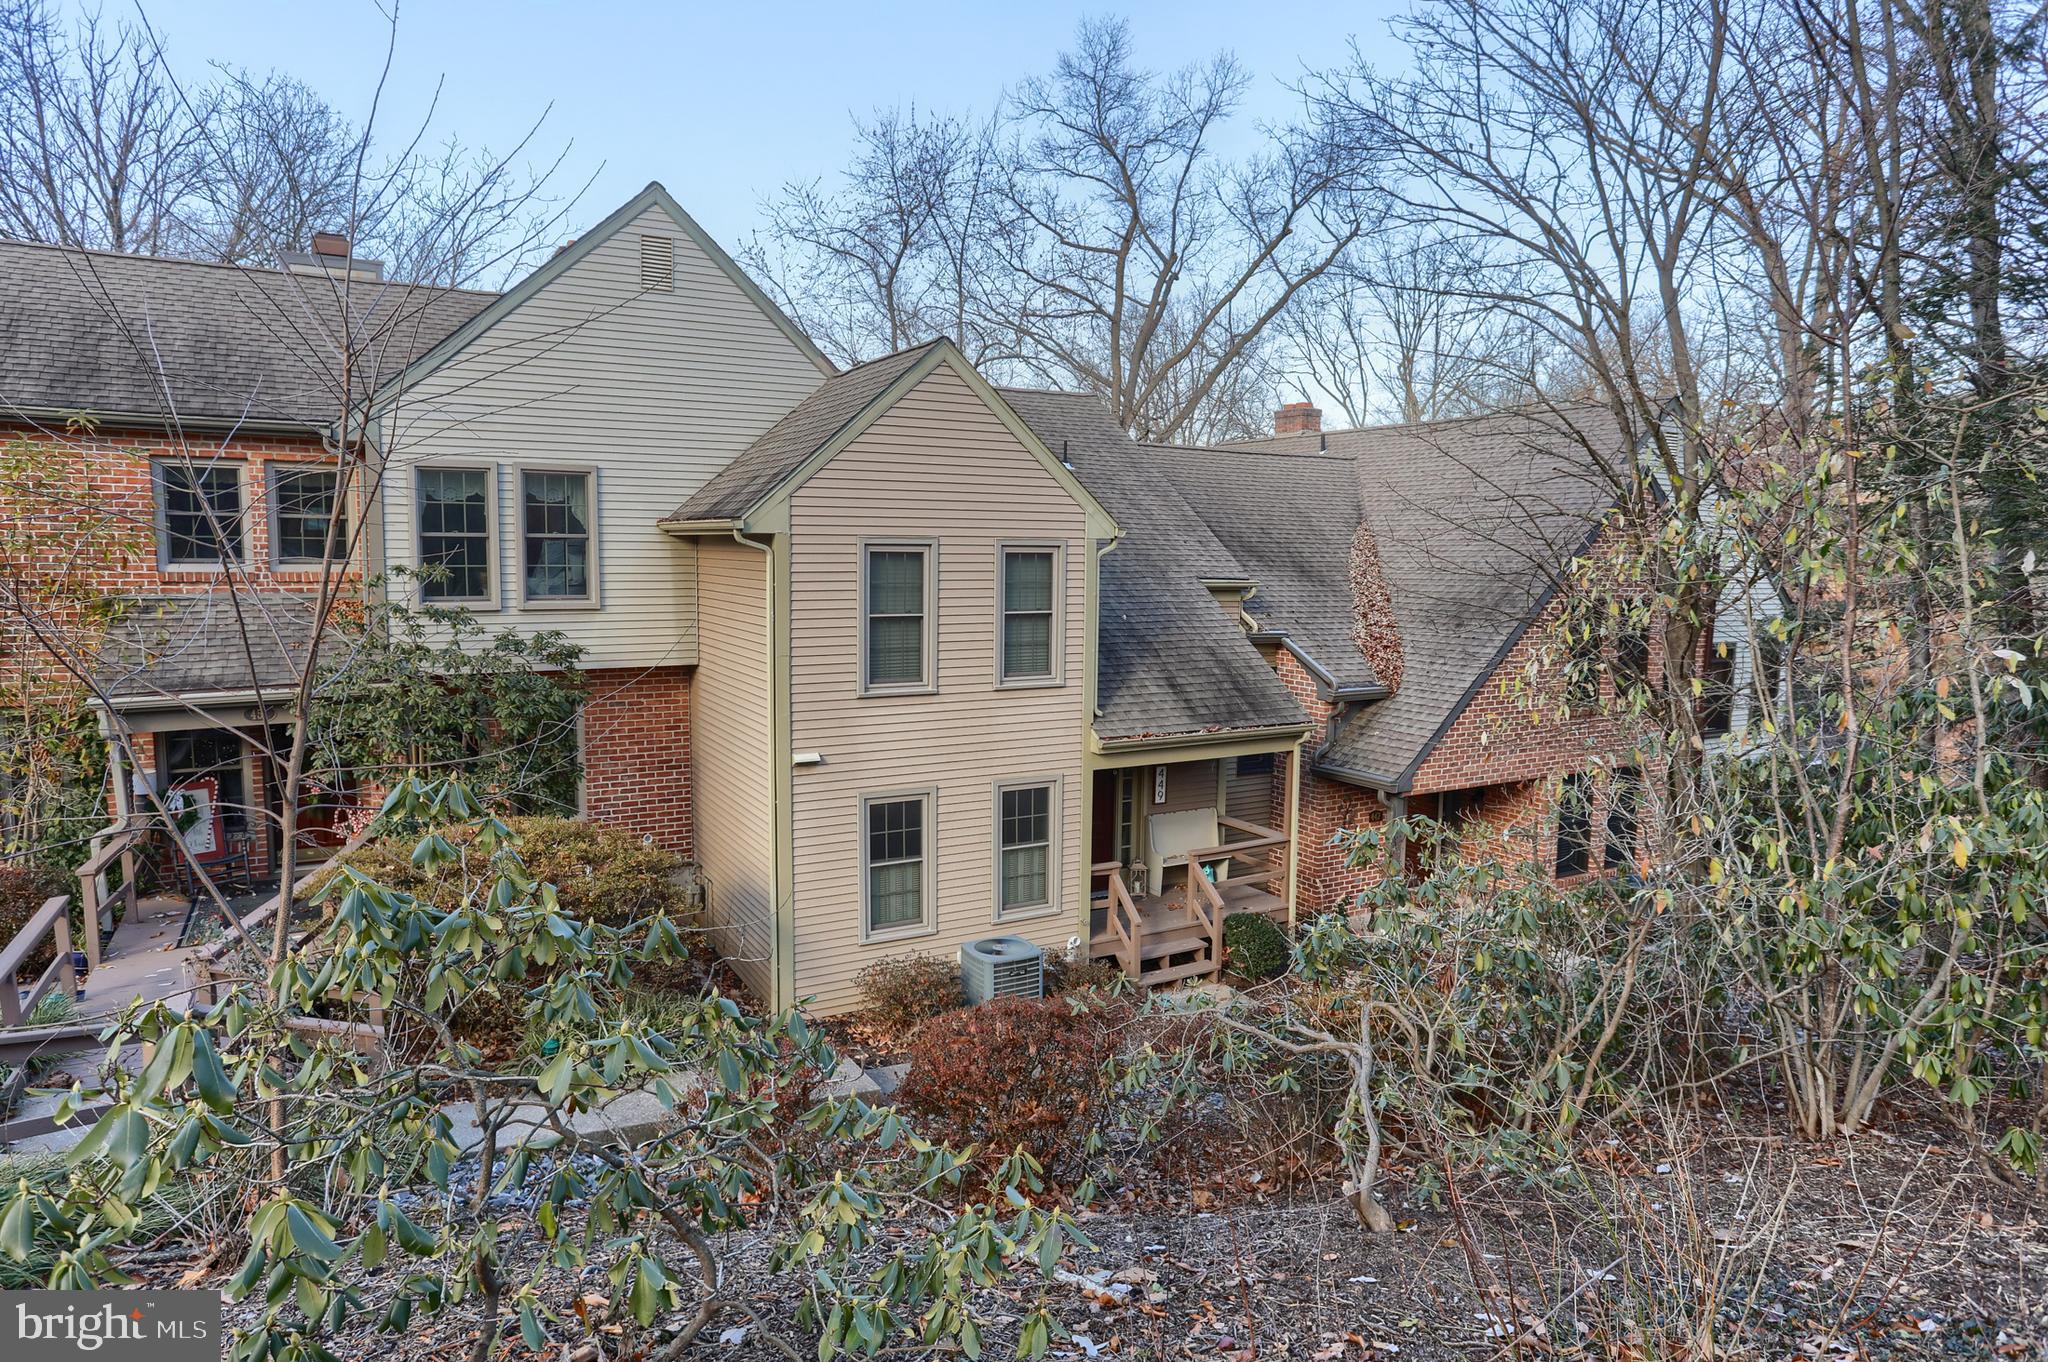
x,y
53,919
114,843
1123,916
1259,857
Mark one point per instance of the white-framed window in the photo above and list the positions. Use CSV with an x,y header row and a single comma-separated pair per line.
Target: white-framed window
x,y
897,588
1027,847
305,515
455,507
199,513
896,867
1027,615
557,536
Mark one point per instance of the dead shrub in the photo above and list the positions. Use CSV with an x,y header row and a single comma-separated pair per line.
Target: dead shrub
x,y
905,991
1014,1073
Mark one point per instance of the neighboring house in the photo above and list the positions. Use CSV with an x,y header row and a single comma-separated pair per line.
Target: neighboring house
x,y
899,659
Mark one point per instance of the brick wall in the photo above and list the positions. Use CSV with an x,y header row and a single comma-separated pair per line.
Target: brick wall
x,y
636,753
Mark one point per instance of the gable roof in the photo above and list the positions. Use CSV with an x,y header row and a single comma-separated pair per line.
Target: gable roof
x,y
835,415
161,339
1170,660
783,449
654,195
1473,520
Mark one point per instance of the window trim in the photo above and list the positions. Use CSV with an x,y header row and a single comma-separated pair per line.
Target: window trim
x,y
492,588
595,599
929,925
1056,812
929,683
160,514
1057,643
276,471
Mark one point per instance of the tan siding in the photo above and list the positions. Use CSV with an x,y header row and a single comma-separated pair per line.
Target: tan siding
x,y
732,751
1250,797
658,390
1189,785
938,465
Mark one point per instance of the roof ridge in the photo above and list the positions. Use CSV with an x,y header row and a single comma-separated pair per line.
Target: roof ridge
x,y
279,271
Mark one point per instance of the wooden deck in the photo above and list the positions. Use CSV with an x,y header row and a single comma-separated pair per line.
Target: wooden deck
x,y
1178,934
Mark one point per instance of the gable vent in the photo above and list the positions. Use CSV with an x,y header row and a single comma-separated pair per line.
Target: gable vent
x,y
657,263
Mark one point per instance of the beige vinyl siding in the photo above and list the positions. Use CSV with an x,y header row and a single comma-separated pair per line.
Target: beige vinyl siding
x,y
937,466
731,750
1249,797
655,389
1189,785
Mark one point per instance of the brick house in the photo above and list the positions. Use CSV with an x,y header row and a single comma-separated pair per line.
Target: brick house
x,y
899,659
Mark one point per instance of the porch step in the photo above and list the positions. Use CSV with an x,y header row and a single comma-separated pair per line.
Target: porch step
x,y
1152,978
1152,945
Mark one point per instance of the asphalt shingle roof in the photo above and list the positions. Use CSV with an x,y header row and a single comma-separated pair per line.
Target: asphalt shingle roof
x,y
148,336
785,446
1172,662
200,641
1473,520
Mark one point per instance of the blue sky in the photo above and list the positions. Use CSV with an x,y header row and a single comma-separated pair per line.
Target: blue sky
x,y
722,102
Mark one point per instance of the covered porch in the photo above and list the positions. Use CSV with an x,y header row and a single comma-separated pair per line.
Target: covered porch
x,y
1179,845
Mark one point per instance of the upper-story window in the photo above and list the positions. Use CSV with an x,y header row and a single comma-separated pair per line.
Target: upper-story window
x,y
555,536
305,516
1027,650
455,534
199,514
896,624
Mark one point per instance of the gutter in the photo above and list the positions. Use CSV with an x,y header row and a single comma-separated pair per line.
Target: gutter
x,y
164,421
684,529
1152,743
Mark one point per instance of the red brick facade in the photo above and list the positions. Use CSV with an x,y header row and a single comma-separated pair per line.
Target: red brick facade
x,y
636,753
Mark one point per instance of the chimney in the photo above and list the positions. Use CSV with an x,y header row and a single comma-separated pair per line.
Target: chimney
x,y
330,256
1298,418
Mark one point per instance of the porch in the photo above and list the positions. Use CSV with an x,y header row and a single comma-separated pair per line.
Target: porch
x,y
1176,852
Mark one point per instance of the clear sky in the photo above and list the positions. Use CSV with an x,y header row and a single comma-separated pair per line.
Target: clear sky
x,y
721,102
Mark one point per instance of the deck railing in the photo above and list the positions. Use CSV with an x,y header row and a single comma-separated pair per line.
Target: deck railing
x,y
113,844
1258,856
52,920
1123,916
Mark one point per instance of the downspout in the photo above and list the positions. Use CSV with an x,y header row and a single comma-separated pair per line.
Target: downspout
x,y
783,950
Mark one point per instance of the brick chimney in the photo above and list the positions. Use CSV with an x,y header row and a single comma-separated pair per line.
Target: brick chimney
x,y
330,243
331,257
1298,418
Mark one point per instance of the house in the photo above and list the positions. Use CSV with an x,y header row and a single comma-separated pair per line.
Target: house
x,y
898,658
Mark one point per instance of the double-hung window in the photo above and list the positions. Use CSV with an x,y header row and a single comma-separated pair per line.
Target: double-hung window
x,y
1028,646
1624,809
199,514
1575,827
555,536
895,864
305,518
455,534
896,626
1027,870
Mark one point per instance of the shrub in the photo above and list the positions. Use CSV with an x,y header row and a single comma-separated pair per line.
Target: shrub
x,y
23,890
600,875
906,990
1079,976
1254,947
1014,1073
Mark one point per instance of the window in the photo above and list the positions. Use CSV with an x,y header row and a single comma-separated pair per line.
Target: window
x,y
895,868
896,642
209,753
199,511
1257,764
1632,656
1717,687
1026,869
304,515
555,534
1624,805
1574,828
455,534
1029,578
